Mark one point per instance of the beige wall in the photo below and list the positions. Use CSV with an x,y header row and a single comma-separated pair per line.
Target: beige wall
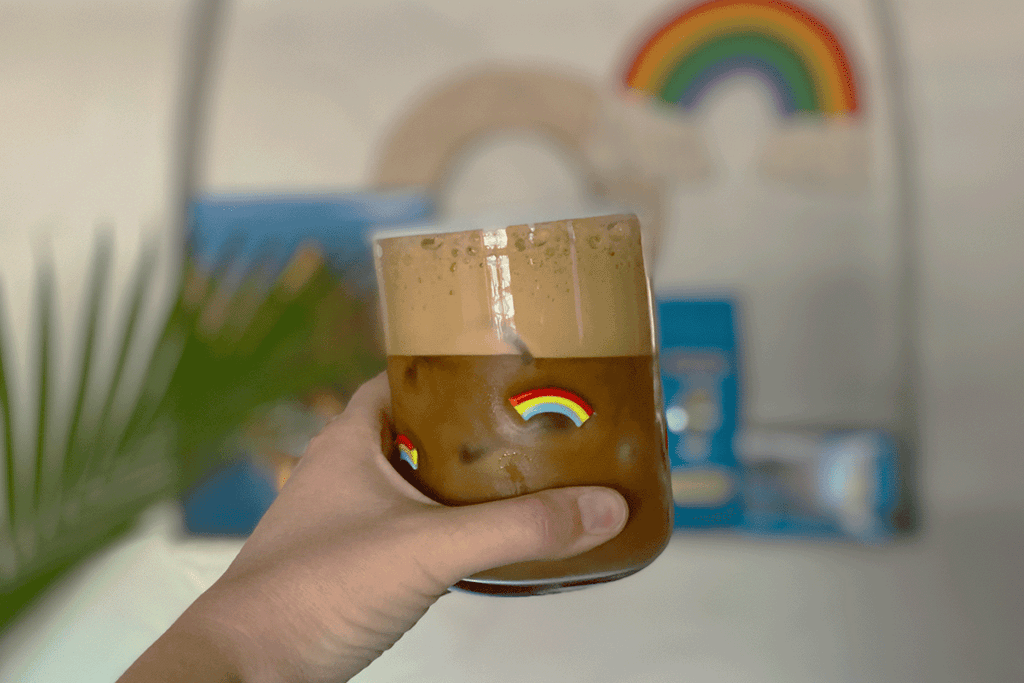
x,y
306,90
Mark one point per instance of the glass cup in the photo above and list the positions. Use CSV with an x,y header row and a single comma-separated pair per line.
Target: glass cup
x,y
523,358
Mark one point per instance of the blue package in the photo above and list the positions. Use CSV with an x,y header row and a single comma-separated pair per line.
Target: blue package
x,y
271,227
231,501
701,381
832,484
242,230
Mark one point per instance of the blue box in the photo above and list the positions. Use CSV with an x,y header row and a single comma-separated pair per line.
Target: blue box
x,y
813,484
699,360
270,227
836,484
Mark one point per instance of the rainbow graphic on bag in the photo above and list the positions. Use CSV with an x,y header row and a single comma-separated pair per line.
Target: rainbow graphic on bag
x,y
790,49
552,400
408,452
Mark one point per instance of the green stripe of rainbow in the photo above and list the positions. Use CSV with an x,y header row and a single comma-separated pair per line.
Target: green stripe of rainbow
x,y
795,51
552,400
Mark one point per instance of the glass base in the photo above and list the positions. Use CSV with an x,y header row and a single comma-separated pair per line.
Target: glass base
x,y
513,589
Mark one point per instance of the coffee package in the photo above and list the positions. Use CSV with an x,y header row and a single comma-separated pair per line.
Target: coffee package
x,y
701,378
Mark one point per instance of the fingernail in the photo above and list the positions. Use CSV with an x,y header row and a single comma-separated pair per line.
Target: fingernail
x,y
600,511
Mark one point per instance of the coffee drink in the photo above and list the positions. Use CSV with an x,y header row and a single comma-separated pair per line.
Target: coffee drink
x,y
522,358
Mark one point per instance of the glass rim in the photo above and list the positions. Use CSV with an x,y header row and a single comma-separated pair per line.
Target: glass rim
x,y
499,219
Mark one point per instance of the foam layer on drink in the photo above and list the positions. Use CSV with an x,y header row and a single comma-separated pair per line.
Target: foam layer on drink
x,y
558,289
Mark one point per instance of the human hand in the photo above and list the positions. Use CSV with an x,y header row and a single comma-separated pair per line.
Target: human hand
x,y
350,556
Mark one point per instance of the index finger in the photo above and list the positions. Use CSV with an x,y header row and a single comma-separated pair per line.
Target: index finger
x,y
370,405
367,419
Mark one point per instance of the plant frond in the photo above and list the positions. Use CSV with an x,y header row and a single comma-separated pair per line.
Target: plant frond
x,y
44,340
8,426
74,454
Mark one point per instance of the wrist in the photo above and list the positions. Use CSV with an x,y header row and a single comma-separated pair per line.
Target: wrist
x,y
190,650
214,640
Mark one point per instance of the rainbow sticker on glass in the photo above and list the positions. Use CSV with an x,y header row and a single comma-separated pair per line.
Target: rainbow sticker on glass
x,y
552,400
408,452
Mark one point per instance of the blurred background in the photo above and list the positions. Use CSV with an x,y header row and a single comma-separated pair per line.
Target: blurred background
x,y
871,262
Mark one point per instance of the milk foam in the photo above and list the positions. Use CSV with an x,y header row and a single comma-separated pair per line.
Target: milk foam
x,y
558,289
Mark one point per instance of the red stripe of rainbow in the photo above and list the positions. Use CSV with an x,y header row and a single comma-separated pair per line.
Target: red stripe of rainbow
x,y
552,400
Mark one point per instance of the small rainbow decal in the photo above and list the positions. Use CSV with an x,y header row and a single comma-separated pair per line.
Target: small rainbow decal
x,y
794,52
407,451
552,400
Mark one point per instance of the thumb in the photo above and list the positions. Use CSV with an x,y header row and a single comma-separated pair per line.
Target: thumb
x,y
546,525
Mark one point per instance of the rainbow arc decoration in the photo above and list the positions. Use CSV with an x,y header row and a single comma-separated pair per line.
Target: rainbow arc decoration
x,y
552,400
408,452
789,48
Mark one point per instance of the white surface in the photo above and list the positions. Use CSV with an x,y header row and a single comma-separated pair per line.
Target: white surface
x,y
93,624
948,607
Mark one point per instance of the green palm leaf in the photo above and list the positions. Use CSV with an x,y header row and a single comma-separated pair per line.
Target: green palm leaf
x,y
232,343
74,456
57,520
7,433
44,308
103,435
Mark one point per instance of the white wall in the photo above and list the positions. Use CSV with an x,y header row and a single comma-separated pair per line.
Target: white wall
x,y
307,89
968,69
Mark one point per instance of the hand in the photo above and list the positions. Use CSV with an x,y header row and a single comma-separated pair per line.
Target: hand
x,y
350,556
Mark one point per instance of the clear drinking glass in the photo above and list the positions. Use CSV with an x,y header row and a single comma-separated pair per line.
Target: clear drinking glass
x,y
521,358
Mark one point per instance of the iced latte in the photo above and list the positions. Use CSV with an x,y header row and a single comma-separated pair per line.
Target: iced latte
x,y
522,358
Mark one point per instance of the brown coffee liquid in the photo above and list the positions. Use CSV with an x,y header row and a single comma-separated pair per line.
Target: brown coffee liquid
x,y
474,446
